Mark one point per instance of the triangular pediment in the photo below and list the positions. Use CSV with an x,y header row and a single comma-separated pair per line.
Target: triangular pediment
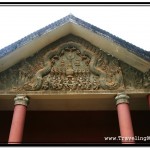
x,y
72,64
70,24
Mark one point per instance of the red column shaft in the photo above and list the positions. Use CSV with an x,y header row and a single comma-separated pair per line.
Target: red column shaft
x,y
17,126
125,123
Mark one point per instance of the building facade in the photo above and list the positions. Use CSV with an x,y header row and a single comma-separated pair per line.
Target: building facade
x,y
71,82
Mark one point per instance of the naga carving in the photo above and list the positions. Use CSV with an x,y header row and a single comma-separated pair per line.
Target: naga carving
x,y
72,67
71,64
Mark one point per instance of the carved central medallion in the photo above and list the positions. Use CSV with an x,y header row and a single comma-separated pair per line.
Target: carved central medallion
x,y
69,72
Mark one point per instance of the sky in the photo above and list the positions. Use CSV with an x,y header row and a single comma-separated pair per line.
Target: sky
x,y
131,23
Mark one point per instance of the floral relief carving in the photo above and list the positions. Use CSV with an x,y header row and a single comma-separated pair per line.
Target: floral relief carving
x,y
72,64
69,67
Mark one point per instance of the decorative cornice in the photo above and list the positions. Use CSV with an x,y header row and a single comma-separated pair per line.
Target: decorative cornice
x,y
21,99
122,98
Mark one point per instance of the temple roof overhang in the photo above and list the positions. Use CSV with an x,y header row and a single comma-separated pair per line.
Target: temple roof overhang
x,y
73,65
31,44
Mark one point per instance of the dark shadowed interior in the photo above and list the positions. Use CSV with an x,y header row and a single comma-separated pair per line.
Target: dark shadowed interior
x,y
74,126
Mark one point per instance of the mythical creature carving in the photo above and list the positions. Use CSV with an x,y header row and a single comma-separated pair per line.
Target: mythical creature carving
x,y
72,63
72,67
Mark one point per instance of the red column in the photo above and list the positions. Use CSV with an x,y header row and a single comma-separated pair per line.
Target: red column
x,y
125,122
148,98
17,126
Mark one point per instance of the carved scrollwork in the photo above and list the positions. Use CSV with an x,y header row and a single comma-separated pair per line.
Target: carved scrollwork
x,y
72,68
72,64
133,79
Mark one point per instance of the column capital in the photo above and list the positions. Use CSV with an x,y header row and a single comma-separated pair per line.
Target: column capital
x,y
21,99
122,98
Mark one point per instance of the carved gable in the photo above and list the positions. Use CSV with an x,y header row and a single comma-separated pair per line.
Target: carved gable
x,y
72,64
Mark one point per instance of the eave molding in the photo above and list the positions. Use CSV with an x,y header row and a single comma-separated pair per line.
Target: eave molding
x,y
70,24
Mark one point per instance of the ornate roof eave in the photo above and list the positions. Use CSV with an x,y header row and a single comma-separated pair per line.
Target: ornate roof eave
x,y
29,45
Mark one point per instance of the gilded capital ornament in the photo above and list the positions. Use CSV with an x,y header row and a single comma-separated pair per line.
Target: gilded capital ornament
x,y
21,99
122,98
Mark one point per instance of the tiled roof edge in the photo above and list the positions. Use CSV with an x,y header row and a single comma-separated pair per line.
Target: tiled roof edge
x,y
12,47
130,47
71,18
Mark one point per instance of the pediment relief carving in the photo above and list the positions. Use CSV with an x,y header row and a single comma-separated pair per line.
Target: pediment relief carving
x,y
72,67
72,64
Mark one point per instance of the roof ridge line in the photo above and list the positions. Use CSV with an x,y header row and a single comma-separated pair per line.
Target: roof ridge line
x,y
71,18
